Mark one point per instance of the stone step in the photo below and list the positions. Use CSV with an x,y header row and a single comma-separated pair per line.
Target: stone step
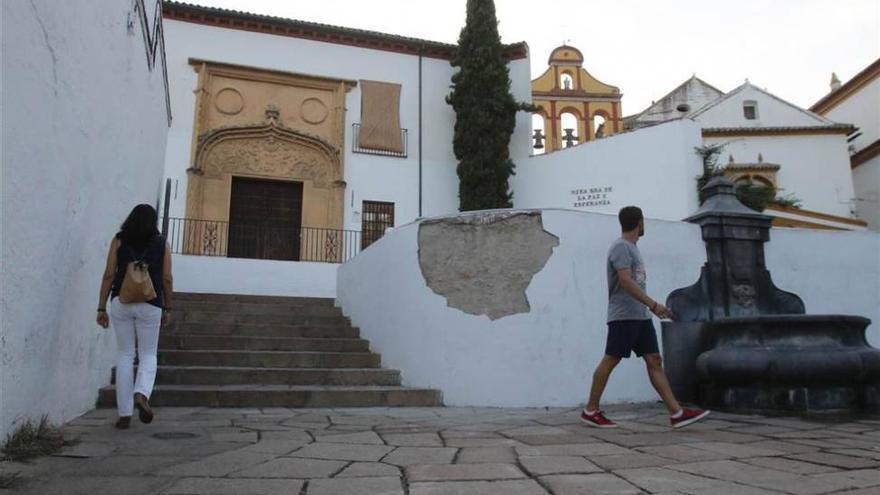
x,y
193,316
241,343
269,359
237,298
257,308
262,330
224,375
282,396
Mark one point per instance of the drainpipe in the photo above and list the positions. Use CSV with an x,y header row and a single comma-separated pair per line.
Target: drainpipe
x,y
421,50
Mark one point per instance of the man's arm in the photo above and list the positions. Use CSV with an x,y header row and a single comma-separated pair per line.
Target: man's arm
x,y
632,288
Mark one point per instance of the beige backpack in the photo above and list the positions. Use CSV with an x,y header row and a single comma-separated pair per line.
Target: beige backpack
x,y
137,286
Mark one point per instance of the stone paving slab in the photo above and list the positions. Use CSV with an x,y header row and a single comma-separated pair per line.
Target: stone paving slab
x,y
409,456
225,486
474,455
368,470
520,487
363,486
760,477
291,467
463,472
428,451
343,452
217,465
542,465
589,484
656,479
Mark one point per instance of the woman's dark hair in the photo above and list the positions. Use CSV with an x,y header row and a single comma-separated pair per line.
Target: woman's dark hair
x,y
140,227
629,217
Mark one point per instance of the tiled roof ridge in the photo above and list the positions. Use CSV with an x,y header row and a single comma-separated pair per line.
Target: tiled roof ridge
x,y
512,48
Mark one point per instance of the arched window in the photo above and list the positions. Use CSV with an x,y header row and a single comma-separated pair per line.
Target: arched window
x,y
569,125
599,126
566,81
539,133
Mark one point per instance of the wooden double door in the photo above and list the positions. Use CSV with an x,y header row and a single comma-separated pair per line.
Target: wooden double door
x,y
265,219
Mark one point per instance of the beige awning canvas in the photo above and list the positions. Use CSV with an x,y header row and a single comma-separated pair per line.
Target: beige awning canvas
x,y
380,117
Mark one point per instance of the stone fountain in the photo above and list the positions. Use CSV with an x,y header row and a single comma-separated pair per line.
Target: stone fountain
x,y
738,342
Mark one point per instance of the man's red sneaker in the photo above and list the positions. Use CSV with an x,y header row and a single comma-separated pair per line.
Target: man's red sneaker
x,y
597,420
687,417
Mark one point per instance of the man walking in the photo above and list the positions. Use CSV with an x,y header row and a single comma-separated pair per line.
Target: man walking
x,y
630,328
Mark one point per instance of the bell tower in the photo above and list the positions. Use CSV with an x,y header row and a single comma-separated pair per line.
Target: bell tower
x,y
575,106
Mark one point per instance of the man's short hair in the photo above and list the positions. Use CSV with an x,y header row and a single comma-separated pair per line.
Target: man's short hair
x,y
629,217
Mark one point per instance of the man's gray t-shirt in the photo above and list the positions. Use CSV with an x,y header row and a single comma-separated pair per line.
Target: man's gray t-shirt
x,y
621,305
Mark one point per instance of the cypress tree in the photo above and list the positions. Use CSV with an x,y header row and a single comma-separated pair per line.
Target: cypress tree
x,y
485,112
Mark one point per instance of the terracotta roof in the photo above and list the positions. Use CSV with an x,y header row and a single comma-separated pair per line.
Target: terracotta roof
x,y
247,21
807,129
840,94
752,166
865,154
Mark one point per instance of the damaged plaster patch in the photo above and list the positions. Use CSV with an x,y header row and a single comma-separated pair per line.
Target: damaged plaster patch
x,y
482,263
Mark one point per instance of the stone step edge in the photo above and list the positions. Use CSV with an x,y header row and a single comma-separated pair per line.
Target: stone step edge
x,y
273,353
305,395
218,297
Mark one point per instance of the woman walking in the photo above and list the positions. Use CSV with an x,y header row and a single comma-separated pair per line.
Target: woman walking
x,y
137,246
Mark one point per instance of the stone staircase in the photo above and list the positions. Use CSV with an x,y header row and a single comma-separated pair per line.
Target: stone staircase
x,y
260,351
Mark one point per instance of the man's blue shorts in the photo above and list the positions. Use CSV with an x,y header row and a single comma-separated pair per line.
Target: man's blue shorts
x,y
625,336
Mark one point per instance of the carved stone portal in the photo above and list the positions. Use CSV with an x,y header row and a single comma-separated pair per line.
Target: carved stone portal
x,y
270,125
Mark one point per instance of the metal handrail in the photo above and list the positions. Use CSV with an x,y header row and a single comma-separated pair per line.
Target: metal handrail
x,y
261,241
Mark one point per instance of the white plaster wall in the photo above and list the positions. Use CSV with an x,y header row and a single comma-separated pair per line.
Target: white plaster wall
x,y
833,272
215,275
862,109
772,112
655,168
866,183
546,357
369,177
541,358
84,133
815,169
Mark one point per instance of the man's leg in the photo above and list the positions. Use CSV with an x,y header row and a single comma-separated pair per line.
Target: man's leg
x,y
600,380
658,378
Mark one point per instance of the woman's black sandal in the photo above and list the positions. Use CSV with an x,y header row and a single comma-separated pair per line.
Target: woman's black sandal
x,y
123,422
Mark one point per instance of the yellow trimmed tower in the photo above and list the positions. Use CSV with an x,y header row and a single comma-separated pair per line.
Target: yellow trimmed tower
x,y
575,106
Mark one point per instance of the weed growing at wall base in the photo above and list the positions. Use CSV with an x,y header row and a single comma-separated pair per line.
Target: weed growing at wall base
x,y
31,440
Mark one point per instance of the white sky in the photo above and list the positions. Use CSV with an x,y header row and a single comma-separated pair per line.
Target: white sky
x,y
644,47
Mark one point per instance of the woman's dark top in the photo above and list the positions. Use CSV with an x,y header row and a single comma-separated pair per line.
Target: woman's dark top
x,y
153,255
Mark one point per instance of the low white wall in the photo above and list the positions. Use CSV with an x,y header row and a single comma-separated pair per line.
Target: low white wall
x,y
216,275
541,358
546,357
84,134
833,272
655,168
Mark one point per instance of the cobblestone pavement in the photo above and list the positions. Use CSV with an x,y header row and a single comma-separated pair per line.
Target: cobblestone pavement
x,y
439,451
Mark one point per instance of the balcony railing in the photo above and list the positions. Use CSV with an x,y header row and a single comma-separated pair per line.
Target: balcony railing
x,y
269,242
356,130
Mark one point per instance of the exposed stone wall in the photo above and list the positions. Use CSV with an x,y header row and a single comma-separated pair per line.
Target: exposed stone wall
x,y
483,263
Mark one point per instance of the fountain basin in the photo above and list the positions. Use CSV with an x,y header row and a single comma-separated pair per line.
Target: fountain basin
x,y
788,363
